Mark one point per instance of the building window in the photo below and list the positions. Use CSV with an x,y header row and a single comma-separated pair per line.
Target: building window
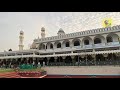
x,y
42,46
76,43
67,44
51,46
97,40
109,39
86,42
59,45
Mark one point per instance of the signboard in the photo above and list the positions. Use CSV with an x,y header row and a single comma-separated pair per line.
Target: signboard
x,y
107,22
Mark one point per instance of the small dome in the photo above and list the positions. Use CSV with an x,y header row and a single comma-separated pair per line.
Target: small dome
x,y
21,32
42,29
60,30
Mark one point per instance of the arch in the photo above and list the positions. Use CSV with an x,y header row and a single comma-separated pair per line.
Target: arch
x,y
59,45
66,43
49,45
109,39
76,42
99,39
113,36
87,40
41,46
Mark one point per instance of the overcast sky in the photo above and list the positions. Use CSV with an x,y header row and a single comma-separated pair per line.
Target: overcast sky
x,y
31,22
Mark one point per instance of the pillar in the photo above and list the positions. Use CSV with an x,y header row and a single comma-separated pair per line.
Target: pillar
x,y
105,35
61,44
55,60
94,57
45,45
53,43
27,60
63,58
73,61
71,43
48,58
81,43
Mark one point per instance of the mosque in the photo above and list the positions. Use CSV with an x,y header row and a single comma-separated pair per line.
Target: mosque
x,y
96,47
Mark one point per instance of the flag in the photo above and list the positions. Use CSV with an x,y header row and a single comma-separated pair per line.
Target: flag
x,y
107,22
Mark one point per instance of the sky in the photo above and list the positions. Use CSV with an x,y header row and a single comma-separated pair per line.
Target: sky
x,y
11,23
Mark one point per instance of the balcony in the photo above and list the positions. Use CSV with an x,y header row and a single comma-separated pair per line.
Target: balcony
x,y
100,45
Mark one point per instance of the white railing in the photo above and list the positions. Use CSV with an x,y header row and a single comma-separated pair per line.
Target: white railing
x,y
113,43
87,46
77,47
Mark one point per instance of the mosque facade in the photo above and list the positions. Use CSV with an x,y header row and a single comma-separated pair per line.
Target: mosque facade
x,y
91,47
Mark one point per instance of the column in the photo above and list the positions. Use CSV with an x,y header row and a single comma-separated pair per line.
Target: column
x,y
53,43
21,60
71,43
55,60
45,45
93,45
64,58
105,41
81,43
34,59
61,44
73,61
27,60
48,58
94,57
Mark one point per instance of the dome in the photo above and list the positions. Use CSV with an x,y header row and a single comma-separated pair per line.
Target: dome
x,y
60,30
42,29
21,32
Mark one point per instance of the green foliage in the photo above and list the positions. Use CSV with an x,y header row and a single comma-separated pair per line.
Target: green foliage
x,y
26,66
6,70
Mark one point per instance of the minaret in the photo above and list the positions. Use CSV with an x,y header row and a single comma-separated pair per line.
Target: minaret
x,y
21,37
42,32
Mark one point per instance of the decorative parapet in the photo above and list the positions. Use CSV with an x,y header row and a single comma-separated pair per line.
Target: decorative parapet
x,y
80,34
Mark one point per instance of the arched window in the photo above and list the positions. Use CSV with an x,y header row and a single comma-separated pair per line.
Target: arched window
x,y
86,42
59,45
109,39
51,46
67,44
97,40
76,43
42,46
